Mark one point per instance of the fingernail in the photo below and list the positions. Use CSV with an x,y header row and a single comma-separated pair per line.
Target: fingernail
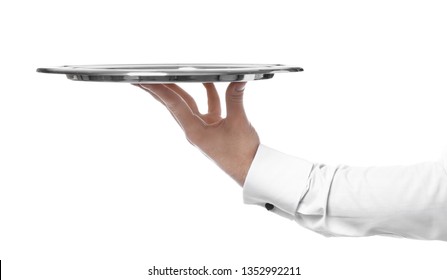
x,y
240,86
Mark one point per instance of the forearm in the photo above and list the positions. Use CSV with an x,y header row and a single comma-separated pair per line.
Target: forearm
x,y
408,201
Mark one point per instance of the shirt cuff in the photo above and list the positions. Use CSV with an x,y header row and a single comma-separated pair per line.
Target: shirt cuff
x,y
276,178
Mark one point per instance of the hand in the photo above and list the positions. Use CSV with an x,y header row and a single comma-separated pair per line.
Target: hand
x,y
231,142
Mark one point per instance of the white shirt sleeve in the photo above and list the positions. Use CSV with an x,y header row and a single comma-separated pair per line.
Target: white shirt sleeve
x,y
406,201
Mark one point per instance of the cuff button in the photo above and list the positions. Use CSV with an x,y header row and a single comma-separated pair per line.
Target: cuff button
x,y
269,206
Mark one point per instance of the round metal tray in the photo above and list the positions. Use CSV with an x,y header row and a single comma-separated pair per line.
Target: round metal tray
x,y
170,73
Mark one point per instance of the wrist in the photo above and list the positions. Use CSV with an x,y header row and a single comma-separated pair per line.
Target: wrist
x,y
244,165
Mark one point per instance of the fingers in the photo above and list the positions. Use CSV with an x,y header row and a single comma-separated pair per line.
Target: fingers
x,y
183,94
234,100
213,99
153,95
175,104
185,109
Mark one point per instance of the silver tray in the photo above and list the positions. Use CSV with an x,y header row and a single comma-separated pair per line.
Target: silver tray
x,y
170,73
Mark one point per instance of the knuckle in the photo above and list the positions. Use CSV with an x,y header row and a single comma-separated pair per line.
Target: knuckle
x,y
194,135
236,97
191,137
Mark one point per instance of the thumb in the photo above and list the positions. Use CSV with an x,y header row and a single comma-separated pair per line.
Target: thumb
x,y
234,100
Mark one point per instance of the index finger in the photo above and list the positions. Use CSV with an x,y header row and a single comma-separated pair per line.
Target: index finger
x,y
175,104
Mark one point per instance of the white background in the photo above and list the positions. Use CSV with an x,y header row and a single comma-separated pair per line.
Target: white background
x,y
98,182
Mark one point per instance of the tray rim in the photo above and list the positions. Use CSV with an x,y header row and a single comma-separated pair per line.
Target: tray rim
x,y
178,72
